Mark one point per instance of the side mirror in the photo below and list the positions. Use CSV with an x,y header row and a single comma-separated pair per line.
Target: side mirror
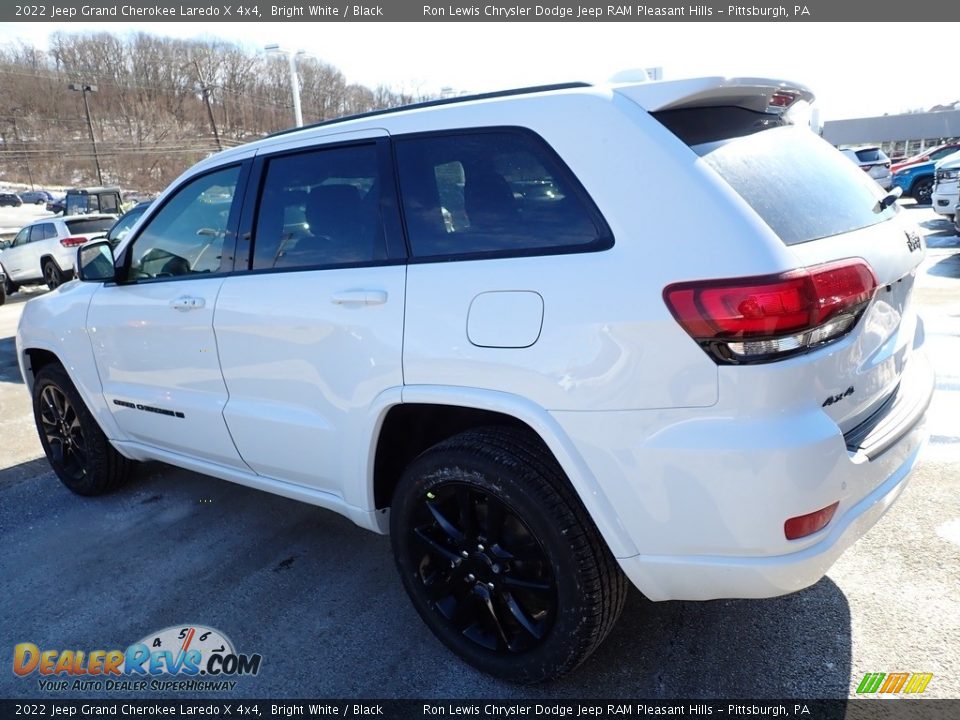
x,y
95,262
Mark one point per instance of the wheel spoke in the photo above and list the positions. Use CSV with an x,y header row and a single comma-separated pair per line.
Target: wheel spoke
x,y
434,546
516,583
487,603
448,527
527,623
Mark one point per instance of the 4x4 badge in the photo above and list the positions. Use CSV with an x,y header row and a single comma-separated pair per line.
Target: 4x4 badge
x,y
913,240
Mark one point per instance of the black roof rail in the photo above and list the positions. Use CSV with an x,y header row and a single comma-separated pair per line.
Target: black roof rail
x,y
435,103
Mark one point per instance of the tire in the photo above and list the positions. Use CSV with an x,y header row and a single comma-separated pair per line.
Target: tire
x,y
3,293
923,191
9,286
500,558
76,447
52,275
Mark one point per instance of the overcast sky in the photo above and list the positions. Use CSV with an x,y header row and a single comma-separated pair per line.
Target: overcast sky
x,y
854,70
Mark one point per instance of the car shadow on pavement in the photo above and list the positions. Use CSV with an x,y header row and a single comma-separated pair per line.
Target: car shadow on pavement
x,y
9,370
320,600
948,267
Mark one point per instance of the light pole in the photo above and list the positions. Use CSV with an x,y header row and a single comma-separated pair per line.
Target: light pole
x,y
84,89
294,80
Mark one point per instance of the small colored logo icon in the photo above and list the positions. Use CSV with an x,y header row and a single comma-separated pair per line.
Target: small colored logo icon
x,y
894,683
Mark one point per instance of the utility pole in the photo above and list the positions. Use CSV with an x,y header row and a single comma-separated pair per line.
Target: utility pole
x,y
205,90
16,135
84,89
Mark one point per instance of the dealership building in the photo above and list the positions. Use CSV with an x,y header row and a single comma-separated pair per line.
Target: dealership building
x,y
898,135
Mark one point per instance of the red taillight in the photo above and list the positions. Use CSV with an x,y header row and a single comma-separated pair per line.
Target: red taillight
x,y
803,525
781,99
751,319
73,241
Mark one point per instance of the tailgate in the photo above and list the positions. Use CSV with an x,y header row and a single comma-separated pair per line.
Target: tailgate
x,y
826,210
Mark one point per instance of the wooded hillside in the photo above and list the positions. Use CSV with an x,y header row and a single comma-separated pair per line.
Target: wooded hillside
x,y
149,115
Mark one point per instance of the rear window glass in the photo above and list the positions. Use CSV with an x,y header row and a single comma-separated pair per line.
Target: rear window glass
x,y
492,193
871,155
90,225
799,184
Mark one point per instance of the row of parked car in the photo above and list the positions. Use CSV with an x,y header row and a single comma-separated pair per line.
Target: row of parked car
x,y
29,197
930,177
44,251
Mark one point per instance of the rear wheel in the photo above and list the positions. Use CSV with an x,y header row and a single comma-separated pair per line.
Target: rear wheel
x,y
923,191
52,275
500,558
76,447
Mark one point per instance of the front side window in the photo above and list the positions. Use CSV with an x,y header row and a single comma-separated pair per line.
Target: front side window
x,y
320,209
492,192
186,236
22,238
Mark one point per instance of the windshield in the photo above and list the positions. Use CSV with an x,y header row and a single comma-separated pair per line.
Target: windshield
x,y
798,183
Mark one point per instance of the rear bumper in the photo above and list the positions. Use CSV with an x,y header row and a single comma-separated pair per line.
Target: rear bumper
x,y
704,497
710,578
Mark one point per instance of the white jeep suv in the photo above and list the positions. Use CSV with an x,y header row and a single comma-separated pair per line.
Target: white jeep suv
x,y
550,340
44,251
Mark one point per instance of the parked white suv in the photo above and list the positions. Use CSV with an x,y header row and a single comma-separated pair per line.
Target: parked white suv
x,y
945,195
44,251
549,340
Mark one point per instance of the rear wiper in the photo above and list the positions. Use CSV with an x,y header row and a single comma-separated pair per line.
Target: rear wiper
x,y
887,200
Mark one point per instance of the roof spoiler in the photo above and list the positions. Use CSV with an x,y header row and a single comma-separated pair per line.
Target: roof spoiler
x,y
758,94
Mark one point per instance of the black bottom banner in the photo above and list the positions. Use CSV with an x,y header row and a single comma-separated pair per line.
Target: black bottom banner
x,y
893,709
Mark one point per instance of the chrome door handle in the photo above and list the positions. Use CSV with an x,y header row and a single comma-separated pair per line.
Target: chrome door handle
x,y
359,297
186,303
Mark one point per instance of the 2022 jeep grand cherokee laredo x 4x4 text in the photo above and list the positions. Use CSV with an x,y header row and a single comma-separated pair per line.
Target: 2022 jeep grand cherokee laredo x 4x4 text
x,y
511,333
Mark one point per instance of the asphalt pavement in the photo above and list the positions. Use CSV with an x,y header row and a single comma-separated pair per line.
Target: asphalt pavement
x,y
320,600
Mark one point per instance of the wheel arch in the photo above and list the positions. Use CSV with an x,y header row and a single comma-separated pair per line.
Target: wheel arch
x,y
430,414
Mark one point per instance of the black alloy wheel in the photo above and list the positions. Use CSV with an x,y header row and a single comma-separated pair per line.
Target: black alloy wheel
x,y
75,446
500,558
61,428
52,275
923,192
482,568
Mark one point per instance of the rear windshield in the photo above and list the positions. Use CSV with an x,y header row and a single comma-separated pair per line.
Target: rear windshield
x,y
799,184
871,155
90,225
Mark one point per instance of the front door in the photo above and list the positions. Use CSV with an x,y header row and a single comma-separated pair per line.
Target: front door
x,y
152,333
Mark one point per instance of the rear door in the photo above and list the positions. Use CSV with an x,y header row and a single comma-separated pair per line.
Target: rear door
x,y
312,333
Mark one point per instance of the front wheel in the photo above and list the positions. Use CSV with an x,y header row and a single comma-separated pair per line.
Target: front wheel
x,y
52,275
923,191
500,558
76,447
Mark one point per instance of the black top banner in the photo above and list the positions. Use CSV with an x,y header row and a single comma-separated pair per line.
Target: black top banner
x,y
128,11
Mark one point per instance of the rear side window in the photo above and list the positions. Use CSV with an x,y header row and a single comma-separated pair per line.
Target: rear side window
x,y
800,185
492,193
81,227
320,209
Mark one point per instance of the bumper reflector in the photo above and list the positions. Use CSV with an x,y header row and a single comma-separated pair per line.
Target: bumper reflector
x,y
803,525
